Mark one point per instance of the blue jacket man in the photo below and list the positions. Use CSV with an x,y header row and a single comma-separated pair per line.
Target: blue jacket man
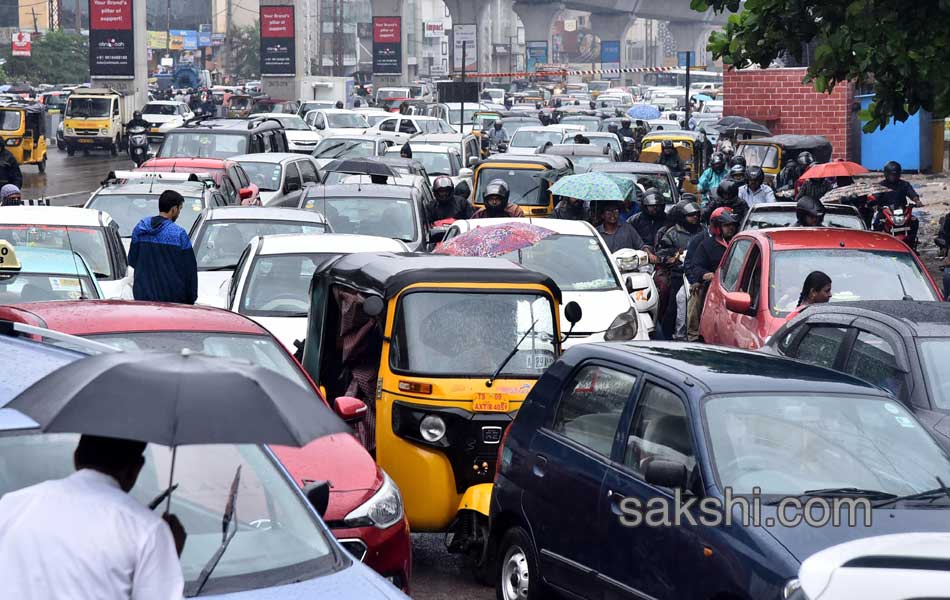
x,y
162,256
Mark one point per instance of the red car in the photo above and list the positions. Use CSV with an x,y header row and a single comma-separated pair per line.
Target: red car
x,y
365,513
760,278
227,174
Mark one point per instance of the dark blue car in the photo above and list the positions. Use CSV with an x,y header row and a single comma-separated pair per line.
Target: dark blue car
x,y
615,437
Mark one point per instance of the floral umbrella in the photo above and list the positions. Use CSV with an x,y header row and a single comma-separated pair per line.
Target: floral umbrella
x,y
493,241
593,186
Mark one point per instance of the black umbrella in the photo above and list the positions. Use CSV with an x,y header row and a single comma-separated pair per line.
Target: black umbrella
x,y
739,126
359,166
175,399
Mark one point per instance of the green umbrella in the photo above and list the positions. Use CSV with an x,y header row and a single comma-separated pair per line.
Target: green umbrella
x,y
593,186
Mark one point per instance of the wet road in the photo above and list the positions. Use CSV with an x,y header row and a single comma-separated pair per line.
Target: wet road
x,y
437,575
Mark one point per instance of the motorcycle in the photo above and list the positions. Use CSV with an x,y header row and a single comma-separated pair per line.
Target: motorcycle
x,y
898,220
138,145
637,274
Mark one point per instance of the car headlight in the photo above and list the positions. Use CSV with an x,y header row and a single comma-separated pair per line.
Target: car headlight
x,y
432,428
792,590
624,327
68,130
104,131
382,511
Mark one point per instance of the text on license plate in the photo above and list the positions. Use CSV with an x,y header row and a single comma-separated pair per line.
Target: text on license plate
x,y
897,230
85,141
489,402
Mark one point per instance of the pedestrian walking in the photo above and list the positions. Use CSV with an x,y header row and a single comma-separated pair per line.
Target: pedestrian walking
x,y
9,168
162,256
84,537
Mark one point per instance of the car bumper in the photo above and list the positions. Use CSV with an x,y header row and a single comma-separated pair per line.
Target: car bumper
x,y
386,551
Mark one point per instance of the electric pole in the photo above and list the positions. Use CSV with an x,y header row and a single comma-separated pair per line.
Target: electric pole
x,y
78,16
35,28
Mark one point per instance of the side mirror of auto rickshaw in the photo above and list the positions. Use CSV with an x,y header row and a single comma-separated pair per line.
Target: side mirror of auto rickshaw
x,y
318,493
351,410
373,306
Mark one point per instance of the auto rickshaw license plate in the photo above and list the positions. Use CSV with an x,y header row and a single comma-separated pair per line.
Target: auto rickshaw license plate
x,y
489,402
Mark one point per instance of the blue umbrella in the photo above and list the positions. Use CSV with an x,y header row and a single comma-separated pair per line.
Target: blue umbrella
x,y
644,112
702,98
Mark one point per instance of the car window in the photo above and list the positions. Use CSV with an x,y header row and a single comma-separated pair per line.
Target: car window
x,y
820,345
660,431
872,359
241,176
256,145
407,126
751,282
229,192
308,172
292,179
730,272
218,199
589,411
388,125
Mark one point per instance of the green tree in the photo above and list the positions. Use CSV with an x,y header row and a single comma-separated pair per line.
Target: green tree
x,y
897,47
58,57
245,59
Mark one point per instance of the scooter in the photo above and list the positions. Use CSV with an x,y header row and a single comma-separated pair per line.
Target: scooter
x,y
138,145
637,274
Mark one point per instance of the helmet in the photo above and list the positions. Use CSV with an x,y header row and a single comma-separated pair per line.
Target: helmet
x,y
612,128
721,216
728,189
892,168
717,160
754,173
497,124
442,183
737,172
737,159
138,115
339,104
651,198
497,187
625,123
690,208
808,206
667,144
805,159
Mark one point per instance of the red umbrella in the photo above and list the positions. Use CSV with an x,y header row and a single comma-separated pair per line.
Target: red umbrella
x,y
838,168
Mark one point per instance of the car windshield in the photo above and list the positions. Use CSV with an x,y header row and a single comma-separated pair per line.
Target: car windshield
x,y
383,217
260,350
128,209
160,109
511,127
486,328
337,148
933,352
278,285
770,219
659,182
88,107
239,102
760,155
855,275
291,122
525,186
374,118
455,112
590,124
786,444
435,163
576,263
45,287
277,540
88,242
346,121
203,144
10,120
308,106
582,164
392,93
527,138
220,243
606,140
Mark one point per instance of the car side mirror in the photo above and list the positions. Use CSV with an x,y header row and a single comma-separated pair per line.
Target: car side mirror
x,y
245,193
292,186
666,473
628,283
466,173
573,312
472,161
738,302
350,409
318,493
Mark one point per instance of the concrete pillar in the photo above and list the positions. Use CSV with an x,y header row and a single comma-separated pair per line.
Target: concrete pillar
x,y
288,87
538,19
393,8
611,26
690,35
466,12
138,86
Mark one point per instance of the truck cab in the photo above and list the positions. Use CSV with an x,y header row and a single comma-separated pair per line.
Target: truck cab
x,y
94,118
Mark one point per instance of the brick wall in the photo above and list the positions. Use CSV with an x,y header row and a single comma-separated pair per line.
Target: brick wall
x,y
778,99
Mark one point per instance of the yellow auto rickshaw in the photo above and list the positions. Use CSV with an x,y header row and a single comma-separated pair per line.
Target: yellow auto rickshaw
x,y
529,178
442,350
23,132
771,153
239,106
689,148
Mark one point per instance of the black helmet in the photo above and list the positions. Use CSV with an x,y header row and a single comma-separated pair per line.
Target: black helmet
x,y
805,159
625,123
717,160
808,206
497,187
737,159
666,144
339,104
737,173
651,198
893,168
138,115
442,183
728,189
755,173
690,207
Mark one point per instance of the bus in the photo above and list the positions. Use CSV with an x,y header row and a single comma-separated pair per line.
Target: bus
x,y
677,78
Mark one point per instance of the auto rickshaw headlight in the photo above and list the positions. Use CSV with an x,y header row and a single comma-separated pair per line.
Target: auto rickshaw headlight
x,y
624,327
384,509
432,428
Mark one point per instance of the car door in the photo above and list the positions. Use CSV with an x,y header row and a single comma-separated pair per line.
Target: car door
x,y
750,328
308,172
644,561
570,455
293,185
716,318
877,355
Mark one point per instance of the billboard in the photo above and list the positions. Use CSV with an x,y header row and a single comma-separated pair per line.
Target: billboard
x,y
465,34
536,53
610,57
278,49
156,39
111,39
434,29
387,45
21,43
204,39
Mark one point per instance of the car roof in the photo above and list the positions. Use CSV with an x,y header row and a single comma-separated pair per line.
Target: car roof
x,y
792,206
729,370
370,190
575,150
563,226
334,111
916,317
88,317
172,102
803,238
189,189
269,213
553,161
269,157
241,126
641,168
296,243
389,273
442,137
433,148
53,215
198,164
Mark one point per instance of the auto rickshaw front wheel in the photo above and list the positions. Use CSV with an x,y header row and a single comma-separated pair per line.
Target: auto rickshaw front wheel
x,y
468,535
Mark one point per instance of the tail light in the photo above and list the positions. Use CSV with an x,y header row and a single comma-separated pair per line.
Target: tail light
x,y
501,449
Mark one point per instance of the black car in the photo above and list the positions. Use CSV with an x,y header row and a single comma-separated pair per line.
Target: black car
x,y
898,345
605,476
224,138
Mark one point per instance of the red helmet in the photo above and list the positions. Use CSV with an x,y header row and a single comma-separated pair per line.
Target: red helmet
x,y
721,216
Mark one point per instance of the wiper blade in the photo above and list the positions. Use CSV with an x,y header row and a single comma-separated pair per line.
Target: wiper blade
x,y
511,354
848,491
226,536
220,268
927,495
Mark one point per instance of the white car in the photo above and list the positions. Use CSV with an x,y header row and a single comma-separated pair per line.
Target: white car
x,y
605,138
577,259
401,128
336,122
438,160
300,137
271,285
372,114
90,233
350,146
497,94
164,115
220,235
466,143
527,139
281,177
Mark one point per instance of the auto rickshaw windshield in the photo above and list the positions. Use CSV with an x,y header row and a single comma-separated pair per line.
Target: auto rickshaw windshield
x,y
10,120
762,156
525,186
471,333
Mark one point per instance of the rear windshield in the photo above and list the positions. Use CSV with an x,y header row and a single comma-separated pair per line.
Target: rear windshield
x,y
202,144
128,209
10,120
88,242
160,109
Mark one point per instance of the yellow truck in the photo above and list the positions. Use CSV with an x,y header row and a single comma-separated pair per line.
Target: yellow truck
x,y
95,118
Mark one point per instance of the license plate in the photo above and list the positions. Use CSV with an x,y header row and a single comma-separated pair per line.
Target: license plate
x,y
85,141
489,402
153,130
897,230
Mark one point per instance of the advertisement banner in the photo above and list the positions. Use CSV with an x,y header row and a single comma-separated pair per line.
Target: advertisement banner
x,y
465,34
111,39
610,57
156,39
387,45
434,29
536,54
278,50
191,39
217,39
21,43
204,39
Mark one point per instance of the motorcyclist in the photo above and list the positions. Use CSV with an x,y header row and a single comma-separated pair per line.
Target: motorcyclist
x,y
755,191
612,128
789,174
447,204
650,220
727,195
616,233
702,260
405,151
497,135
671,249
625,130
137,121
810,212
711,178
900,191
737,159
496,202
670,159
